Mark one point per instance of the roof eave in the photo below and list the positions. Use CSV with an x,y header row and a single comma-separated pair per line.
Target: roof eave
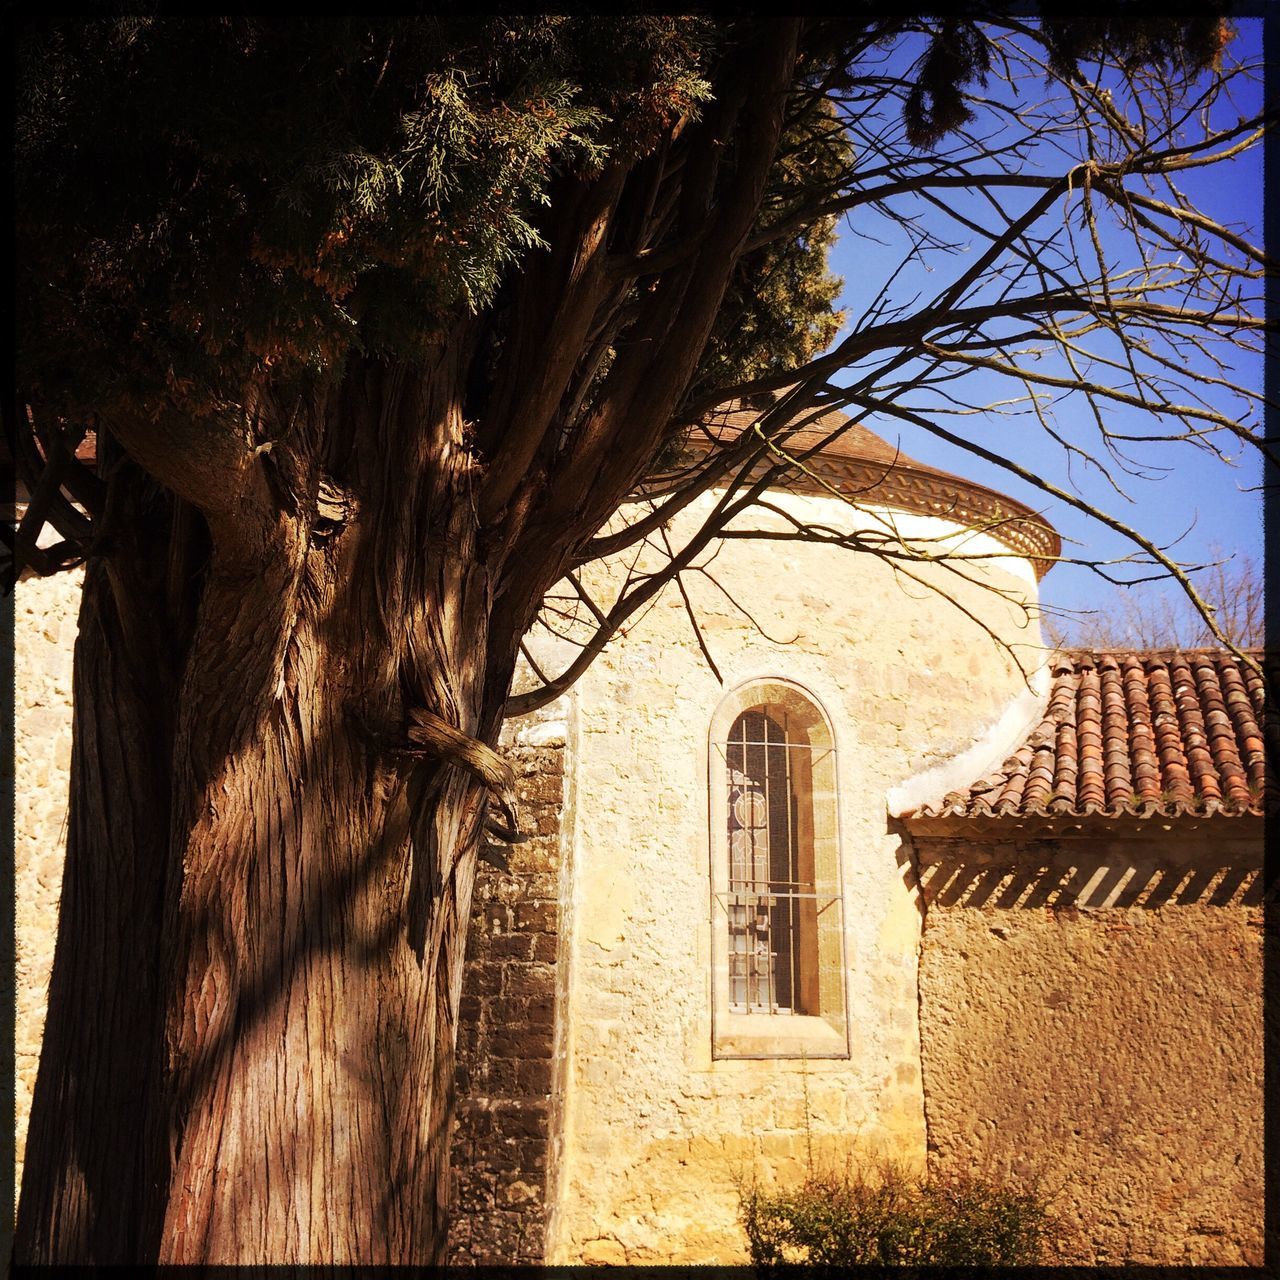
x,y
1064,826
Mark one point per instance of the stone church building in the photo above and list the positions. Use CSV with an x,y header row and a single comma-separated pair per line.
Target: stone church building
x,y
888,880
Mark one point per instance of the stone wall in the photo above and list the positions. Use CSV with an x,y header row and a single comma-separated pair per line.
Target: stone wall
x,y
511,1061
1091,1022
658,1126
45,613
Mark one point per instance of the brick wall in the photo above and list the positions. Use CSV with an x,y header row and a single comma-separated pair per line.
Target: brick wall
x,y
510,1060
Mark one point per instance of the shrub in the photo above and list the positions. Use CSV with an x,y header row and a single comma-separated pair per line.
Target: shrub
x,y
889,1217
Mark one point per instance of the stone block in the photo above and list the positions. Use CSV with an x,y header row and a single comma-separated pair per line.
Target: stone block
x,y
497,1077
534,1078
527,1120
546,947
518,1192
481,976
508,1011
540,1011
520,1042
537,917
532,1154
510,947
530,979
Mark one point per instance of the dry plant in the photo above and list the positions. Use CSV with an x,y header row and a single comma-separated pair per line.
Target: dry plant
x,y
1134,618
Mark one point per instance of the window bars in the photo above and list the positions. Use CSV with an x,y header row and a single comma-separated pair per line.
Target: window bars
x,y
768,876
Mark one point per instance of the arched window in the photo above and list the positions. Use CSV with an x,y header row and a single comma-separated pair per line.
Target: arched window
x,y
770,869
776,910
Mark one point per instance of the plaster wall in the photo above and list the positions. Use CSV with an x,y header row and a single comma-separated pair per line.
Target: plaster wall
x,y
1091,1019
657,1131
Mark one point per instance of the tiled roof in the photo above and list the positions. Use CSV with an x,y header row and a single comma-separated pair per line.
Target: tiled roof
x,y
1135,734
854,440
866,467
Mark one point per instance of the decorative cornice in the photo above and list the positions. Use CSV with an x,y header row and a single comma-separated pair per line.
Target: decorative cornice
x,y
926,492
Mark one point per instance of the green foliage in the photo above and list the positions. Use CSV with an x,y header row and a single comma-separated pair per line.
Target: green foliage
x,y
204,204
890,1218
211,205
779,308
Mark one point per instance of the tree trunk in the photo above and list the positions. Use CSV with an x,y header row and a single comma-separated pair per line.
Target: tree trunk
x,y
94,1153
259,962
249,1047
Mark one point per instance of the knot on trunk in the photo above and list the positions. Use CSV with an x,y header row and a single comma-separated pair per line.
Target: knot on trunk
x,y
433,736
335,509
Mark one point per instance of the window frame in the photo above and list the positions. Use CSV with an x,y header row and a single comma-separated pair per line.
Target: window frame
x,y
774,1035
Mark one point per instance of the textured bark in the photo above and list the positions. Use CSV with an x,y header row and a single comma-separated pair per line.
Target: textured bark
x,y
285,693
94,1152
280,1023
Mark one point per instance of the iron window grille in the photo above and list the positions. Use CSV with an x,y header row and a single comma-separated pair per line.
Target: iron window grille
x,y
772,901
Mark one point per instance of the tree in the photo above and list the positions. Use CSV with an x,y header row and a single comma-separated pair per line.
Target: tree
x,y
378,324
1231,586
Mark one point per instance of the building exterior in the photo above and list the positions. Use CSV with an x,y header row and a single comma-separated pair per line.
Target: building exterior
x,y
888,880
1092,959
1015,860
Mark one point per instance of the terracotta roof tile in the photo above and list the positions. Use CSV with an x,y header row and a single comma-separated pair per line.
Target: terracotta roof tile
x,y
846,456
1136,733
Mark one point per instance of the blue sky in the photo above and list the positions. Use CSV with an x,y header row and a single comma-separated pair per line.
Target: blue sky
x,y
1181,493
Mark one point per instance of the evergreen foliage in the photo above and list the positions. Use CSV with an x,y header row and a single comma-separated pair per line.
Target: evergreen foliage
x,y
210,204
779,308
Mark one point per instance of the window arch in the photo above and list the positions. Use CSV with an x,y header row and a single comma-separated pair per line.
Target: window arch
x,y
777,922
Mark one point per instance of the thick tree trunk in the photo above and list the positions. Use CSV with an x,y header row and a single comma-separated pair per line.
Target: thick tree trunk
x,y
95,1154
249,1055
249,1048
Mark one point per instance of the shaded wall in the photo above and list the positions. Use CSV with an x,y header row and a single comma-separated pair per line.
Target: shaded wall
x,y
510,1075
1091,1020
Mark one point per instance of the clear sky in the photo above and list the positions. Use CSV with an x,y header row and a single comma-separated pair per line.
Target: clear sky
x,y
1182,493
